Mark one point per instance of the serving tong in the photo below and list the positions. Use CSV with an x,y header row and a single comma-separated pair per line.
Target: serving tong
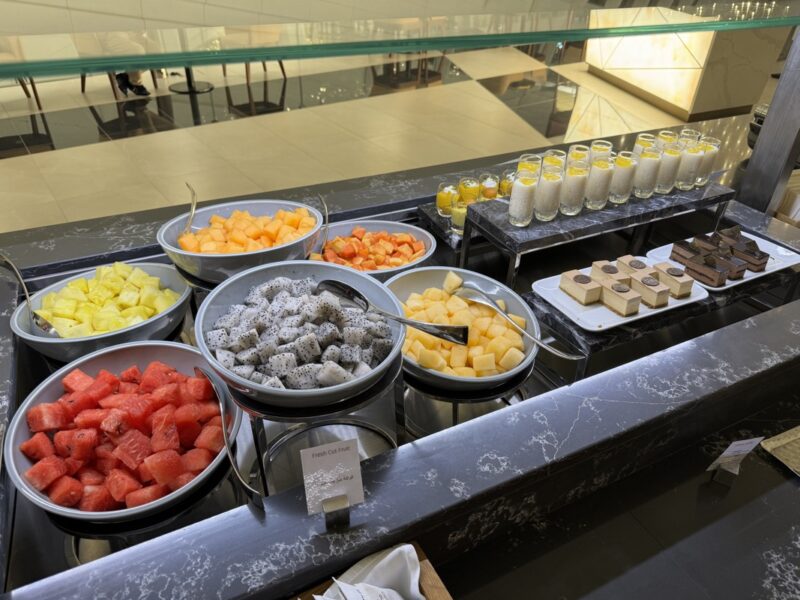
x,y
44,327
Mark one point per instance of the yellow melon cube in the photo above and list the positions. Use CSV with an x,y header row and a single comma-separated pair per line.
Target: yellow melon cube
x,y
406,345
436,309
495,330
498,347
515,338
486,311
484,341
431,359
481,324
433,294
518,320
487,373
473,352
443,320
465,371
417,347
458,356
430,342
462,317
473,336
449,371
511,358
452,282
455,304
484,362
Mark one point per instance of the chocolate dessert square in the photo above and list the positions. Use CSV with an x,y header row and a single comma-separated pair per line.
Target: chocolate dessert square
x,y
731,235
749,252
683,251
706,269
705,242
736,266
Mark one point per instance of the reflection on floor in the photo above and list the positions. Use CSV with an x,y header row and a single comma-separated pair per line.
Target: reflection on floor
x,y
88,156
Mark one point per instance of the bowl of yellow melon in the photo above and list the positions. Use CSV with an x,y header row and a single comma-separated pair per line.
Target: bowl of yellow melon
x,y
110,305
226,239
495,352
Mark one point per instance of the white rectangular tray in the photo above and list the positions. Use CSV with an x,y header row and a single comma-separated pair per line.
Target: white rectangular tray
x,y
779,258
597,317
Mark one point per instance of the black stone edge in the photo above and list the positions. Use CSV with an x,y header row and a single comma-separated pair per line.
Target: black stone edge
x,y
287,545
756,222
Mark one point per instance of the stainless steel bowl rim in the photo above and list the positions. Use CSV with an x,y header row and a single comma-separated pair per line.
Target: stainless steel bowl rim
x,y
162,239
277,392
16,315
493,379
125,514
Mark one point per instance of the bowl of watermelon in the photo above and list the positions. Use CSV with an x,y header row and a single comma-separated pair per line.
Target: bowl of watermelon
x,y
119,434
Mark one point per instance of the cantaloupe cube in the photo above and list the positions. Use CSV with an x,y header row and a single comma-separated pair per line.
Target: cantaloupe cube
x,y
462,317
432,294
515,338
511,359
458,356
465,371
498,347
271,230
495,330
484,362
431,359
292,219
452,282
455,304
481,324
518,320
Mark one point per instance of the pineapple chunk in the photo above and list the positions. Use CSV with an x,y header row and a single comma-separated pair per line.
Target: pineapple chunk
x,y
511,359
137,277
79,284
73,294
143,312
148,295
484,362
152,280
458,356
100,294
103,272
518,320
65,308
49,300
128,298
122,269
452,282
45,314
430,359
163,302
79,330
114,282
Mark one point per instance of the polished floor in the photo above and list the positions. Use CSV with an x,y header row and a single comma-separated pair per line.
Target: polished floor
x,y
86,155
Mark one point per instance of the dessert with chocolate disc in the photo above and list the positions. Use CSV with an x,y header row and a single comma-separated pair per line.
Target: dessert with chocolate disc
x,y
750,253
654,293
707,269
678,282
602,269
620,298
630,264
731,235
683,251
705,242
736,266
580,287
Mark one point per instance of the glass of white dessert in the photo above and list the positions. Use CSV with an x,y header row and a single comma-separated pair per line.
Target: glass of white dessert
x,y
506,181
444,199
548,193
643,140
529,162
555,158
600,148
622,181
577,152
688,134
598,185
691,161
644,180
523,194
469,189
458,214
488,186
664,137
574,188
668,169
710,149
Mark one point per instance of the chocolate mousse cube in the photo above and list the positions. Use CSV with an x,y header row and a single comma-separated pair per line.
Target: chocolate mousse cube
x,y
706,269
683,251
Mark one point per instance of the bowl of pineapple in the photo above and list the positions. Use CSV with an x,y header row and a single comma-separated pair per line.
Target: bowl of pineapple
x,y
109,305
229,238
495,351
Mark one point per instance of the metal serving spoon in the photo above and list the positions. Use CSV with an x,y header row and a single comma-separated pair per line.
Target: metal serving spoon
x,y
452,333
188,227
43,325
469,291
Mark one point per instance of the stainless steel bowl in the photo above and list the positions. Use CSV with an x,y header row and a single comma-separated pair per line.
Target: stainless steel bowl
x,y
234,290
155,328
345,228
116,359
418,280
216,268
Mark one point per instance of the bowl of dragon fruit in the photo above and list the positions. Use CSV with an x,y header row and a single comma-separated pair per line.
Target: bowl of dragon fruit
x,y
271,337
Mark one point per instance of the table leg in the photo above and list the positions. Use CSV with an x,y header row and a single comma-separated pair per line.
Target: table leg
x,y
513,266
190,86
465,243
454,407
262,453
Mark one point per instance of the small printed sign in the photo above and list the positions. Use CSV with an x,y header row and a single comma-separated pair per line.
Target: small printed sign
x,y
331,470
734,454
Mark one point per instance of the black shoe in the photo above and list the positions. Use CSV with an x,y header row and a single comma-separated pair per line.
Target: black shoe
x,y
139,90
123,82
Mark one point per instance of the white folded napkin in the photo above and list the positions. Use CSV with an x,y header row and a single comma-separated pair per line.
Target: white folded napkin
x,y
391,574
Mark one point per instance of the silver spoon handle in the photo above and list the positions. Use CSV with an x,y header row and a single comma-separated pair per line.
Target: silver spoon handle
x,y
539,342
450,333
188,227
21,282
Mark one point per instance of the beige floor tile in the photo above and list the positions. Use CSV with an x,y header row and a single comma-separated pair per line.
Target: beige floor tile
x,y
133,197
229,138
424,148
22,183
19,216
210,184
362,118
359,158
480,64
291,170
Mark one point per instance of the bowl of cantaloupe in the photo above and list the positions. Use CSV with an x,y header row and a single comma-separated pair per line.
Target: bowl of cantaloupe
x,y
226,239
109,305
495,352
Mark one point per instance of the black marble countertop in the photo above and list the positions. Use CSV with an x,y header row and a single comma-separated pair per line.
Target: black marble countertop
x,y
439,226
491,219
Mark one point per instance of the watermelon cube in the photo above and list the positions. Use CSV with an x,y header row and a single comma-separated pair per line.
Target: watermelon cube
x,y
181,480
145,495
62,441
155,375
91,417
105,465
144,473
187,420
210,438
132,448
116,423
97,498
138,409
215,421
83,443
37,447
126,387
104,450
196,459
46,471
121,483
165,432
73,465
177,377
164,466
109,378
131,375
88,476
165,394
76,380
66,491
46,417
79,401
207,410
113,401
200,389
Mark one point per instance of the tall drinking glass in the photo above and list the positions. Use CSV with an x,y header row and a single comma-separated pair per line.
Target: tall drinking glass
x,y
458,214
469,189
689,135
664,137
668,169
548,193
578,152
574,188
556,158
644,180
523,194
598,185
622,181
710,150
600,148
529,162
444,199
691,161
